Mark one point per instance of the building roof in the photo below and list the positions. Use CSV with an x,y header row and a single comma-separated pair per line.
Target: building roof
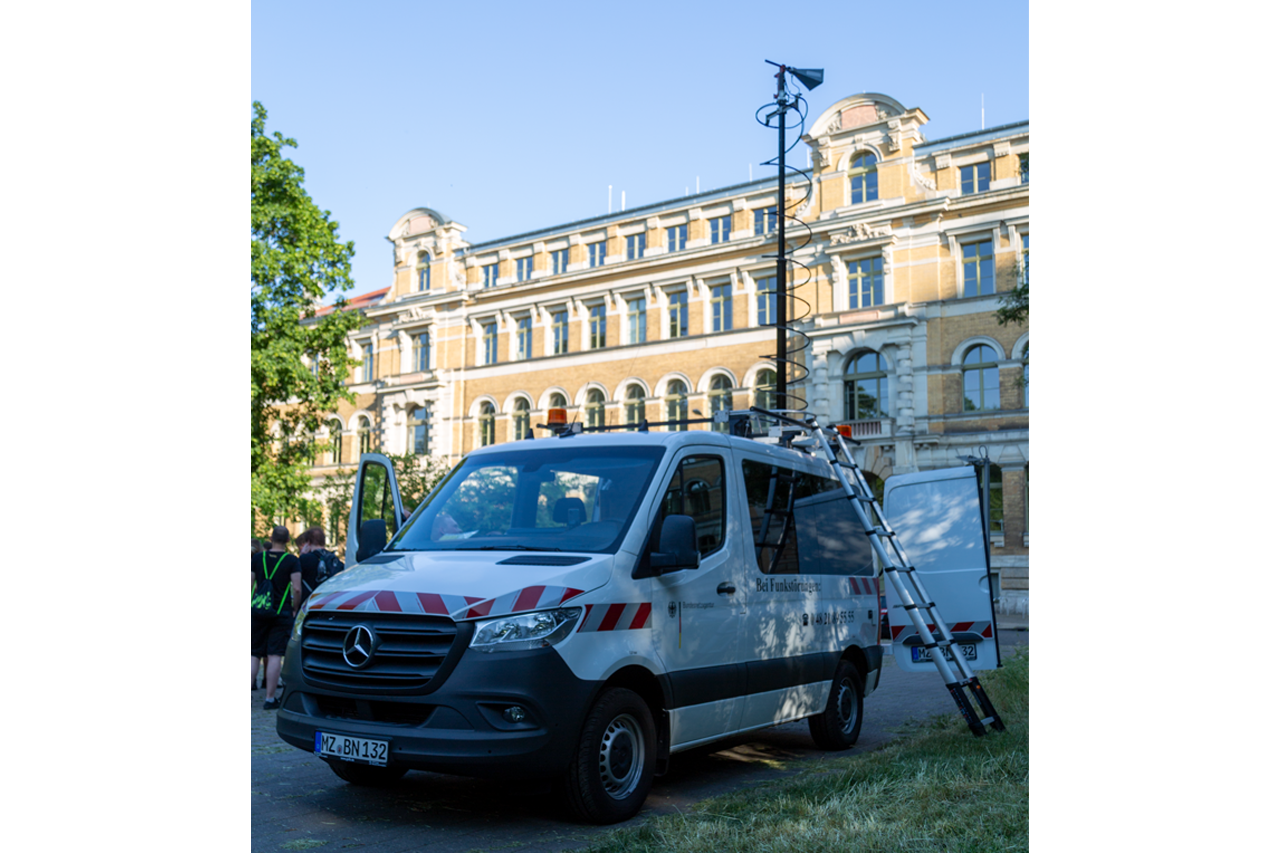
x,y
972,136
364,300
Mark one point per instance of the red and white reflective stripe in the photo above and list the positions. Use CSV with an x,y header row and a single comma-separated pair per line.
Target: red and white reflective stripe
x,y
529,598
617,617
393,601
981,628
863,586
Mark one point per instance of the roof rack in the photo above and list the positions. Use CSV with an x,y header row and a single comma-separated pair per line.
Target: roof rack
x,y
739,422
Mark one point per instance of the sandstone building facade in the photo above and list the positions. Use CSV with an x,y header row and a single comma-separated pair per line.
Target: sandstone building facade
x,y
665,311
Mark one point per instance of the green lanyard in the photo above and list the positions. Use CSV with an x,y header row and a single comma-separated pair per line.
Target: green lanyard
x,y
272,574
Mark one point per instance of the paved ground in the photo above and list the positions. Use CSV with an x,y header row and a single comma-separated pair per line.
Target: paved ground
x,y
299,804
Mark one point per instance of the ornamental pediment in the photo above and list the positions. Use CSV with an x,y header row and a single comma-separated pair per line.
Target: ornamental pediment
x,y
859,232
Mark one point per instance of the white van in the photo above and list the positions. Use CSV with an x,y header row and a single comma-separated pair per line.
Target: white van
x,y
581,607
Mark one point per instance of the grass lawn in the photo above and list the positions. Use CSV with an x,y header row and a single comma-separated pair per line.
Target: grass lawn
x,y
937,788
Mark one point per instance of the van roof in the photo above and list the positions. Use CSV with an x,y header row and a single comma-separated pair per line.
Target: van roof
x,y
662,438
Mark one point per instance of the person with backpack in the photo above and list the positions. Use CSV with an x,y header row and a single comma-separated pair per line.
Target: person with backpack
x,y
276,596
318,564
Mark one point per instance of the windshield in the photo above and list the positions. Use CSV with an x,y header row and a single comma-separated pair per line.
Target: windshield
x,y
572,498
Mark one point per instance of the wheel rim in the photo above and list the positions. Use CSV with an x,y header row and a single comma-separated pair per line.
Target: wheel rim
x,y
621,756
846,706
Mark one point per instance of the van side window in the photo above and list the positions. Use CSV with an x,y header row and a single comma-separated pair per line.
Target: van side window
x,y
697,490
803,524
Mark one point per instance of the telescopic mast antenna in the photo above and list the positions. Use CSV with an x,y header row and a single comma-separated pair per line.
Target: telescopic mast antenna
x,y
810,77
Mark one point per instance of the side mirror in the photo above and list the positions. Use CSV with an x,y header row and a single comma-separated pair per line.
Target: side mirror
x,y
677,546
372,538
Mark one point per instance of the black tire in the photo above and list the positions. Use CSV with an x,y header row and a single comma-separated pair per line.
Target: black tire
x,y
838,725
612,769
366,774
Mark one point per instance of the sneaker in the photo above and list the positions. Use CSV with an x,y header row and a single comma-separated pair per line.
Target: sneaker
x,y
271,705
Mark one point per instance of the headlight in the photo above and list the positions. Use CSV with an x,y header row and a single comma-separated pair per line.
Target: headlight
x,y
297,623
525,631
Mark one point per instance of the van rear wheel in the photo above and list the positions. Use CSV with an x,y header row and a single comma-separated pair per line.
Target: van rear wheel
x,y
612,769
838,725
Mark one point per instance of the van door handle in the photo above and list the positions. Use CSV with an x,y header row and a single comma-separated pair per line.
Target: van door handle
x,y
726,588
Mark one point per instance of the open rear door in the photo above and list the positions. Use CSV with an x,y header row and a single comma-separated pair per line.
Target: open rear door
x,y
376,496
937,516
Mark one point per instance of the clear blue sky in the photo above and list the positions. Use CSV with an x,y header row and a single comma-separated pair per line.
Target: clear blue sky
x,y
508,117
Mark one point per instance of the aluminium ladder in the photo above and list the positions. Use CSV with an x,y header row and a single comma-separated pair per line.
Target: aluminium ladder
x,y
902,574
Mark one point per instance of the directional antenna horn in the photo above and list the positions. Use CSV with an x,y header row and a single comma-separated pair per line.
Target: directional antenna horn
x,y
810,77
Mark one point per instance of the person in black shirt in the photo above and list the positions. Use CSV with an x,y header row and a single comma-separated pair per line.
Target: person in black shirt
x,y
310,545
271,632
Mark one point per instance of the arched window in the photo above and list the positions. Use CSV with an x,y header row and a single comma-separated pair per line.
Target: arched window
x,y
420,430
556,401
335,441
677,400
765,396
864,184
635,404
981,379
424,271
866,387
721,397
364,434
595,408
486,424
520,420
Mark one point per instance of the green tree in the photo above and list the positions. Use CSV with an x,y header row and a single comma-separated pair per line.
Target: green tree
x,y
299,362
1015,305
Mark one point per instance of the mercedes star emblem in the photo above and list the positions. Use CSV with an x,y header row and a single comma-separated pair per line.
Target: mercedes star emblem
x,y
357,646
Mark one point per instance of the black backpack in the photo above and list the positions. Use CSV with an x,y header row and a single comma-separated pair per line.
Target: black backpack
x,y
326,567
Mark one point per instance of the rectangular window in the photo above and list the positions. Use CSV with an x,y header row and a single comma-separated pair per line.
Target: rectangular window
x,y
421,352
420,430
767,301
490,272
635,246
1024,168
719,230
678,315
424,277
1026,259
697,490
677,237
490,343
597,327
979,269
524,338
559,261
866,282
722,308
801,524
524,268
975,178
595,254
766,219
366,362
560,332
635,320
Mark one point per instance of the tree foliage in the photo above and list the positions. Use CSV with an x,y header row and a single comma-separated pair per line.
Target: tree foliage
x,y
299,361
1015,304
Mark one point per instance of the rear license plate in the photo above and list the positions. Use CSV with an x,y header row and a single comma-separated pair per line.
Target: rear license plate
x,y
357,749
919,654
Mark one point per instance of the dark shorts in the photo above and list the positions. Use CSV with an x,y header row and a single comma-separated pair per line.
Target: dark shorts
x,y
271,634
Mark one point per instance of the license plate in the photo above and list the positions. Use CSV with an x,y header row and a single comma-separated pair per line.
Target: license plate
x,y
919,654
357,749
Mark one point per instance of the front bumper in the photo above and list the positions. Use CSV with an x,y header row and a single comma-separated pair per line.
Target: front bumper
x,y
458,727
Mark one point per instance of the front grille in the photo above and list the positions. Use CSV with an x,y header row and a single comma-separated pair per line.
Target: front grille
x,y
410,651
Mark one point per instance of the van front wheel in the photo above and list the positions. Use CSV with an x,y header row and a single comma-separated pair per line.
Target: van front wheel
x,y
838,725
612,768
